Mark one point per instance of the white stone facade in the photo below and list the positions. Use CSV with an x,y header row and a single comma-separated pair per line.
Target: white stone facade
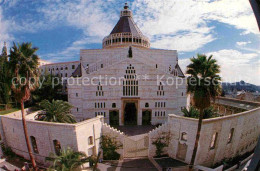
x,y
62,69
112,65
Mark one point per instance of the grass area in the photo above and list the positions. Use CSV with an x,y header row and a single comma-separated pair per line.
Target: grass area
x,y
9,111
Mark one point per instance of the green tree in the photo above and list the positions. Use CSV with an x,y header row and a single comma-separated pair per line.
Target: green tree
x,y
48,90
23,64
109,146
5,79
55,111
68,160
204,85
192,112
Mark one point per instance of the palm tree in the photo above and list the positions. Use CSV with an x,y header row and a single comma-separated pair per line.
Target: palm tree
x,y
204,85
23,64
55,111
68,160
191,113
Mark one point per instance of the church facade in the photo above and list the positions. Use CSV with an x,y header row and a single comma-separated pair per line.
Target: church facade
x,y
127,82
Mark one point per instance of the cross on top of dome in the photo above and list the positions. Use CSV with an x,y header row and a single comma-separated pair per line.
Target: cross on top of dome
x,y
126,6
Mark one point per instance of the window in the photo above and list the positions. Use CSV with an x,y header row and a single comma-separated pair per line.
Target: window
x,y
73,66
57,147
214,141
66,68
130,84
99,91
146,104
34,144
101,65
113,105
77,94
184,136
160,91
230,136
90,140
77,109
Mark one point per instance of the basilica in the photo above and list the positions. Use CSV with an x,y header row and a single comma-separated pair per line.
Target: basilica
x,y
126,81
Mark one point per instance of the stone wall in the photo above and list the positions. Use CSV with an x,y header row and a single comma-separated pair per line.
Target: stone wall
x,y
69,135
115,134
246,130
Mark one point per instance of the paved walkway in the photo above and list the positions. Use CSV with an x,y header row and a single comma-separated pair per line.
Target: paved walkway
x,y
128,165
136,165
135,129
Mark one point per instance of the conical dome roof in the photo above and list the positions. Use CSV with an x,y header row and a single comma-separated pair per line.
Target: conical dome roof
x,y
126,23
126,32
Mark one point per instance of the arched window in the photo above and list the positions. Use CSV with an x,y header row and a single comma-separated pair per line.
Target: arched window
x,y
34,144
113,105
146,104
184,136
57,147
90,140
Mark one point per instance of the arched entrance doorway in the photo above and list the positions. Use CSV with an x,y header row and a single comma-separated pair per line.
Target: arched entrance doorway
x,y
130,114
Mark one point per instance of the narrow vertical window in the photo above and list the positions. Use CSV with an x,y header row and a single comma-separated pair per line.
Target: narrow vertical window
x,y
34,144
57,147
214,140
230,136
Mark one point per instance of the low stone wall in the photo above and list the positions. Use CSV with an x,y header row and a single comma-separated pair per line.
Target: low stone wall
x,y
155,134
115,134
69,135
246,130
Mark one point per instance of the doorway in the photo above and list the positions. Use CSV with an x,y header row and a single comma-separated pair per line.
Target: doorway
x,y
146,117
130,114
114,117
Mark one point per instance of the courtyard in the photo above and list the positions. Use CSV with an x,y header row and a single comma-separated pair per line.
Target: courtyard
x,y
132,130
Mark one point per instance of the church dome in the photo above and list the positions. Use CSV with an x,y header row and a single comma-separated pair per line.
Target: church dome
x,y
126,33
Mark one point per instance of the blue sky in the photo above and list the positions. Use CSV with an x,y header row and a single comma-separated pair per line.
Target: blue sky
x,y
60,28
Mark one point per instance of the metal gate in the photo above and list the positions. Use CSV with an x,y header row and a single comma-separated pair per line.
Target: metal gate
x,y
136,146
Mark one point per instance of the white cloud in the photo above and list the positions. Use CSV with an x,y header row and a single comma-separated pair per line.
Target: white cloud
x,y
243,43
4,35
184,43
177,20
89,16
237,13
235,65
